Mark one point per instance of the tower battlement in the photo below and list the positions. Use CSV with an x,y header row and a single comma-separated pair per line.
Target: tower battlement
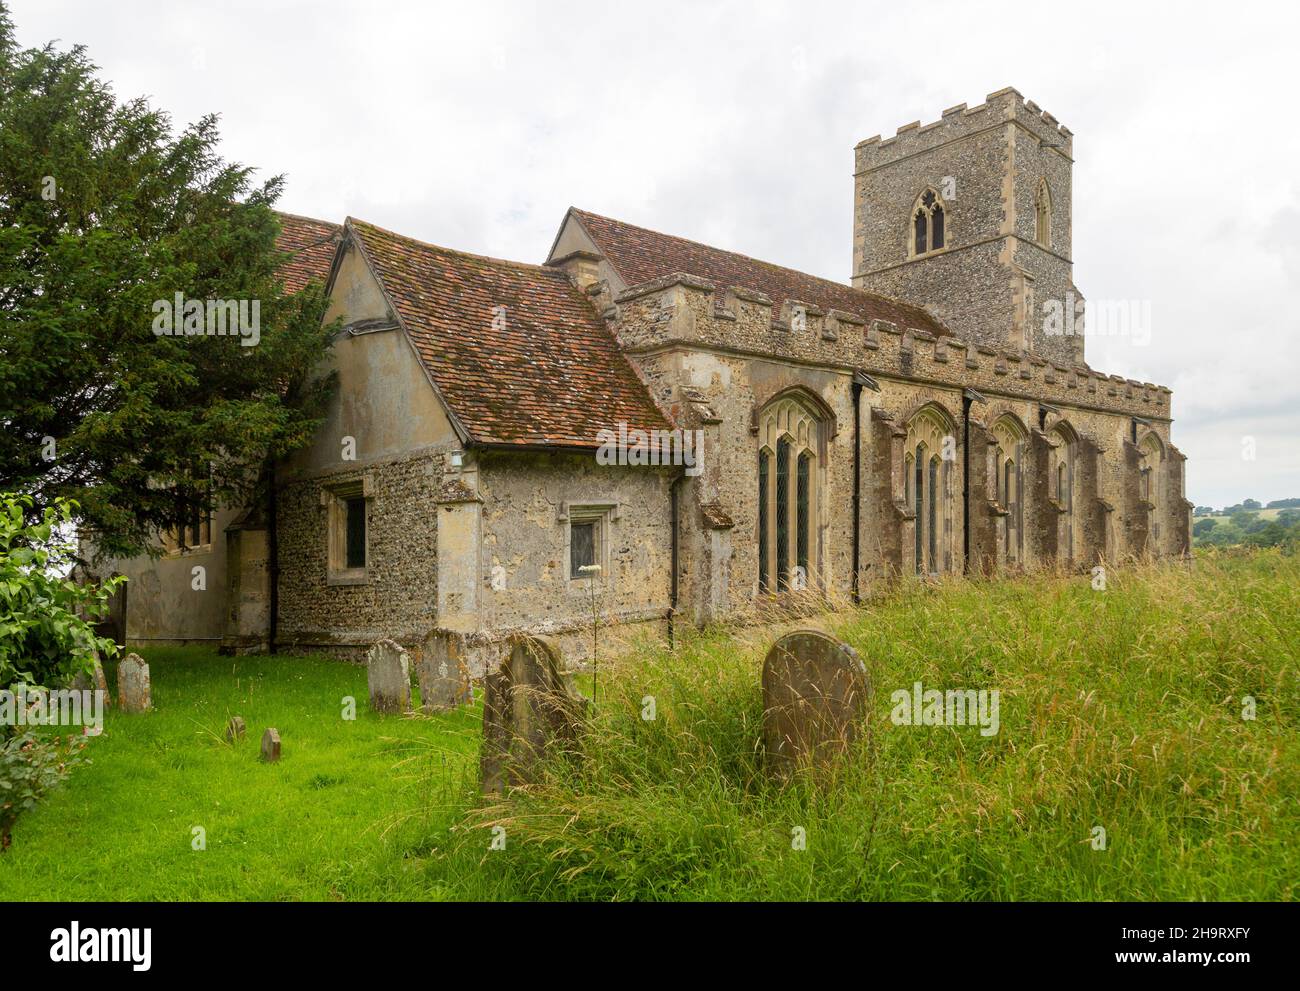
x,y
961,121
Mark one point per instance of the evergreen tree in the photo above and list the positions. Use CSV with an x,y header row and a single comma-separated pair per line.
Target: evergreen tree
x,y
105,215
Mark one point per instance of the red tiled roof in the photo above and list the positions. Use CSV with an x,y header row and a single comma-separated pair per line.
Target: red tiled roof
x,y
641,255
545,371
312,243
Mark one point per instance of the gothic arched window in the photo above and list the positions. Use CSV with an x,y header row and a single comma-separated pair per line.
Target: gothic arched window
x,y
932,450
928,223
1064,447
1043,214
791,435
1010,438
1153,456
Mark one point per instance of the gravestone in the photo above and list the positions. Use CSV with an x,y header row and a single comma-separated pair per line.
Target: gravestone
x,y
235,729
815,693
134,691
271,745
388,673
93,681
443,672
530,710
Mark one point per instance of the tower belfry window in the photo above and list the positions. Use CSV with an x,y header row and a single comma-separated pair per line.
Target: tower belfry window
x,y
928,224
1043,215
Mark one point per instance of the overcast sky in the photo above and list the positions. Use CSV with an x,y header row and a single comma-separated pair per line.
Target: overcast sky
x,y
476,124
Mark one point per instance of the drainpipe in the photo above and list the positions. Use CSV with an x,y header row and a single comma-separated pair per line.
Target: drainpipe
x,y
861,380
273,558
968,396
672,594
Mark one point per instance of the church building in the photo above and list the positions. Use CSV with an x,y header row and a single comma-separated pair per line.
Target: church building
x,y
688,433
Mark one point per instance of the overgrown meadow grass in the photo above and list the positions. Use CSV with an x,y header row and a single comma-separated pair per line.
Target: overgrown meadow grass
x,y
1119,709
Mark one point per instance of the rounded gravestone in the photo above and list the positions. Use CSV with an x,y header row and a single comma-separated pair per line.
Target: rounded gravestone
x,y
134,687
530,710
815,693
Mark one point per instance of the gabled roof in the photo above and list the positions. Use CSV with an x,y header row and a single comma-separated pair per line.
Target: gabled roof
x,y
312,244
640,255
517,352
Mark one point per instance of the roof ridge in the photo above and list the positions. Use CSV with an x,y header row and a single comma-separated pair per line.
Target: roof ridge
x,y
752,259
456,251
303,216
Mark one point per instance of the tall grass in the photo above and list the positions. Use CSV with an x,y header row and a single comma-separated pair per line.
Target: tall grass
x,y
1120,709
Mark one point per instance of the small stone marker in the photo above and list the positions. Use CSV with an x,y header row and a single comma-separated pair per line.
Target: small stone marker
x,y
815,693
235,729
134,691
93,681
530,709
442,672
388,673
271,745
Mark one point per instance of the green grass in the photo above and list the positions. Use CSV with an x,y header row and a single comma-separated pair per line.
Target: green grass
x,y
1120,709
348,813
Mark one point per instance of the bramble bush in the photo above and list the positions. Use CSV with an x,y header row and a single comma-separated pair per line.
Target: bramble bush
x,y
29,767
46,639
46,636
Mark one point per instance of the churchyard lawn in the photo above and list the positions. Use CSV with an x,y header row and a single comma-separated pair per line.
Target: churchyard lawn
x,y
1132,742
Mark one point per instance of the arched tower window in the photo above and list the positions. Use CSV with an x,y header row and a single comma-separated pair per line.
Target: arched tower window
x,y
791,457
1043,214
932,450
928,219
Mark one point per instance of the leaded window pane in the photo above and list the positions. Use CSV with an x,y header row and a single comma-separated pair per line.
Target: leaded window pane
x,y
782,513
356,533
934,513
801,508
918,490
582,548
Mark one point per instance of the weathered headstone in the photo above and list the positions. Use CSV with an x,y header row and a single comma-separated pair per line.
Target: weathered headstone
x,y
443,672
815,693
235,729
530,710
388,672
271,745
94,681
134,691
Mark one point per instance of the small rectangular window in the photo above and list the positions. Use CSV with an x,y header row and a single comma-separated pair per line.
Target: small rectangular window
x,y
356,532
582,548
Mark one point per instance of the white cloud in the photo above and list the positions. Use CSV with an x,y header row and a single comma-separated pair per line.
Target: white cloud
x,y
476,125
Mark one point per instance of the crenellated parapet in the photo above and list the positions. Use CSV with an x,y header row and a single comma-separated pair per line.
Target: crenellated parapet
x,y
962,121
682,310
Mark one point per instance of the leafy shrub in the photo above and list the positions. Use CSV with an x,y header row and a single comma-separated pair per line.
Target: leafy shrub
x,y
29,767
46,637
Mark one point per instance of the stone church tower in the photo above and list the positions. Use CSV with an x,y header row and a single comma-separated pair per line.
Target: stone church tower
x,y
970,216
